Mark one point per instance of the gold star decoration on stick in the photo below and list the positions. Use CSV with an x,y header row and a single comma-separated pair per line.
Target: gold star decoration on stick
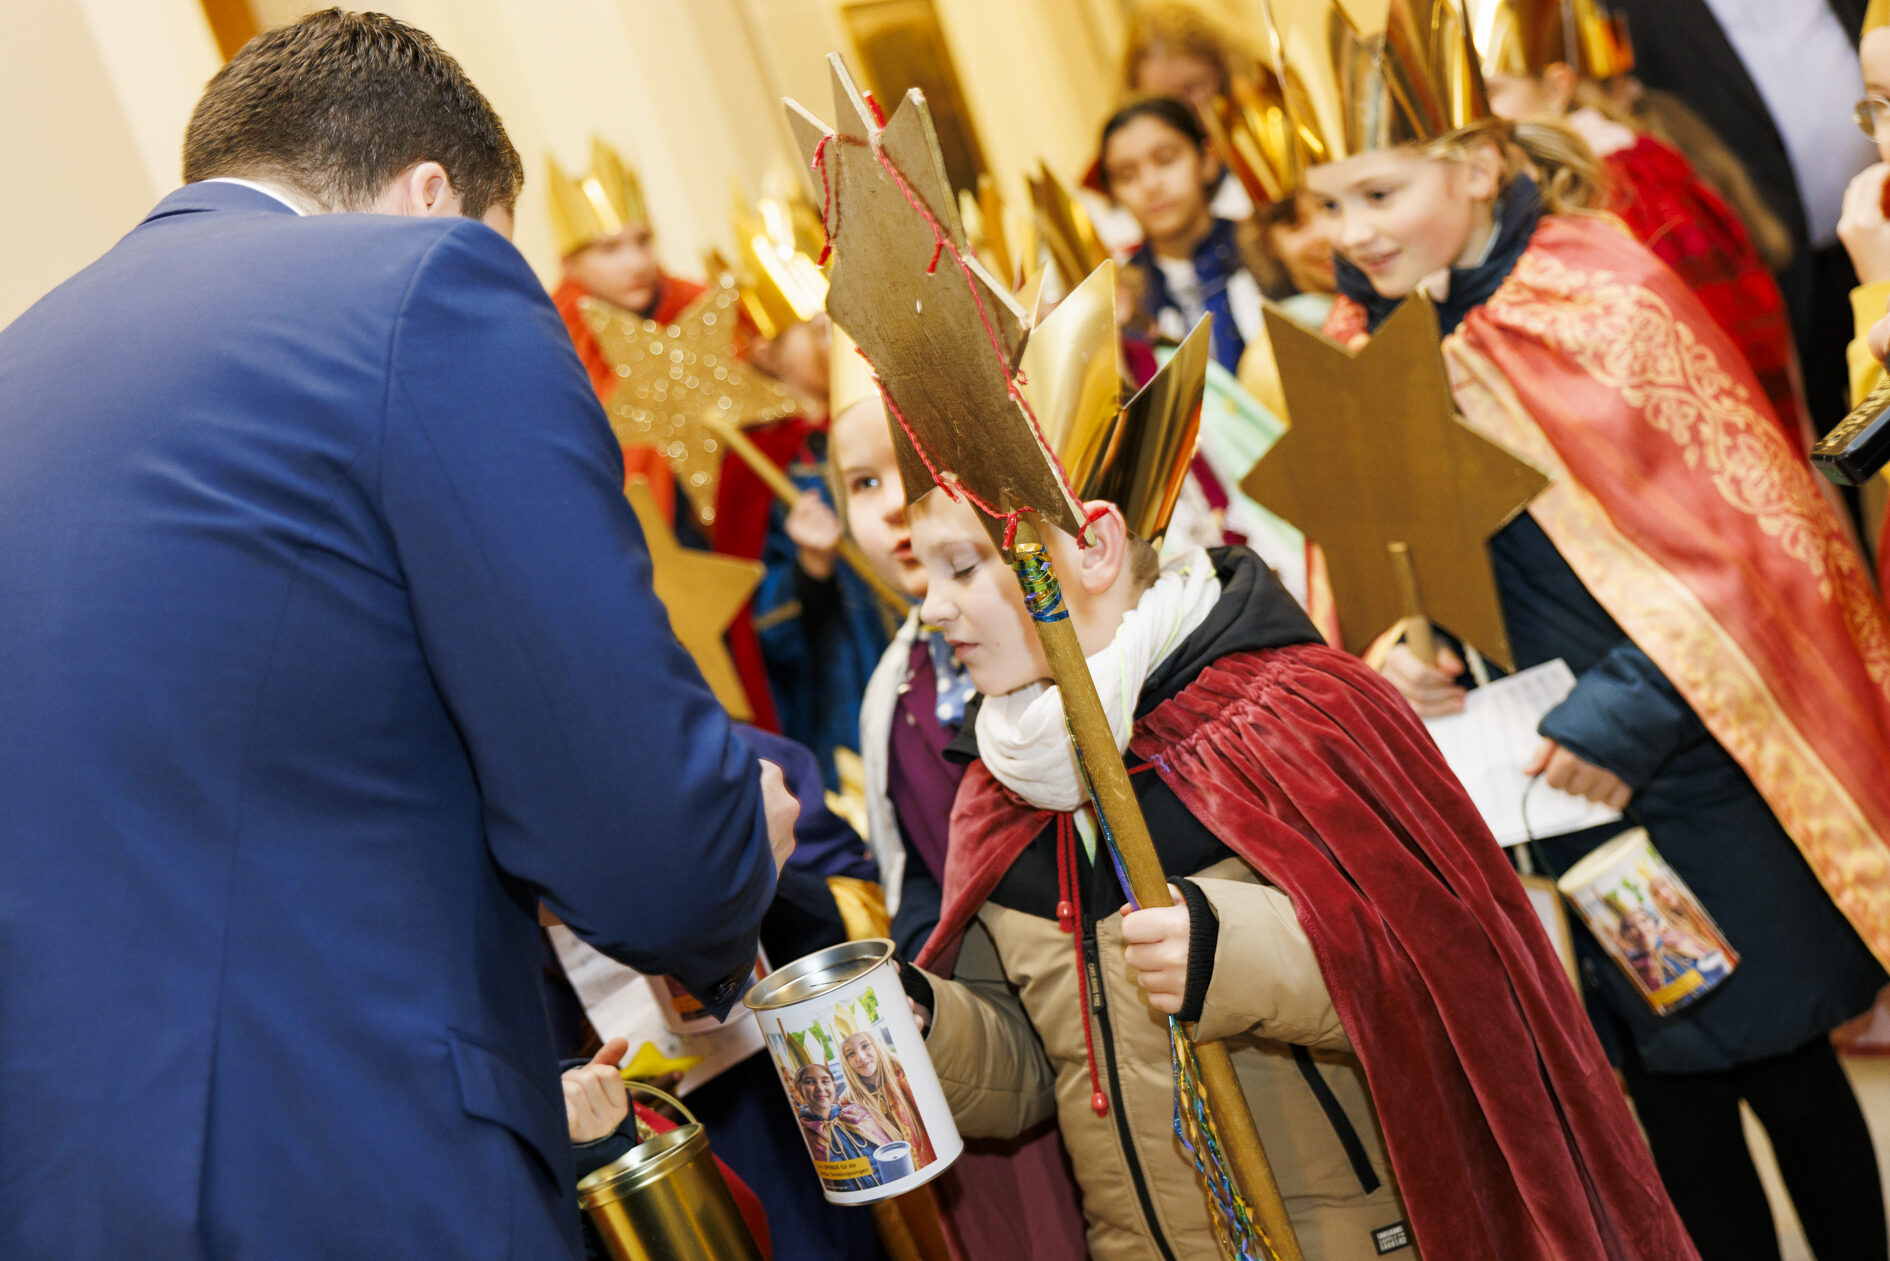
x,y
704,592
671,375
1374,456
912,304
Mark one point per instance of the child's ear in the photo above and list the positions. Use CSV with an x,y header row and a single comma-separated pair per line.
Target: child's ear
x,y
1561,81
1483,170
1101,562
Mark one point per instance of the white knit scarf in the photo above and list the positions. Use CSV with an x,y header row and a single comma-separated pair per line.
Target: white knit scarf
x,y
1021,734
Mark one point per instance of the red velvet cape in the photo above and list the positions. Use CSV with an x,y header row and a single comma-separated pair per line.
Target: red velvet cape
x,y
1508,1135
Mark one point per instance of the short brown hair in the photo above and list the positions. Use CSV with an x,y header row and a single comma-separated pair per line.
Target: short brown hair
x,y
337,104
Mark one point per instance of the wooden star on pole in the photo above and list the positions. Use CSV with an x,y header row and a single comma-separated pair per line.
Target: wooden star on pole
x,y
704,592
1374,454
943,335
671,375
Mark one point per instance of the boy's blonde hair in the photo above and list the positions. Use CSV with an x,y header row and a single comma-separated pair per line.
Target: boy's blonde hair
x,y
1141,558
1565,169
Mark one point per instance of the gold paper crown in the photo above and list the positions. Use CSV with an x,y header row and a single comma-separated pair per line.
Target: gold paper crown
x,y
1254,135
1136,456
843,1022
798,1058
1876,16
777,241
1362,75
1064,227
599,205
1525,37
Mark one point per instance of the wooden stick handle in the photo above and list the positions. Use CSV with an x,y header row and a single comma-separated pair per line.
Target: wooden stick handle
x,y
1418,627
744,449
1096,747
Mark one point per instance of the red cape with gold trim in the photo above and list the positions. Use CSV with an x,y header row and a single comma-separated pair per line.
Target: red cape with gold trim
x,y
1688,515
1507,1133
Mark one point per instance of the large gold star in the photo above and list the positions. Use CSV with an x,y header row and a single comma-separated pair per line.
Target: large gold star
x,y
1374,454
943,336
671,375
704,592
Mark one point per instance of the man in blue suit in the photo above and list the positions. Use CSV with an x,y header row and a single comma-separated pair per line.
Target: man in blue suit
x,y
327,651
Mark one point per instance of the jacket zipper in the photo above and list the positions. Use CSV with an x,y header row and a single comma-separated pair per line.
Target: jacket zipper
x,y
1099,1014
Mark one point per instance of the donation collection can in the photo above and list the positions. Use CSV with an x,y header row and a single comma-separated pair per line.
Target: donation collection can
x,y
854,1066
1649,922
665,1199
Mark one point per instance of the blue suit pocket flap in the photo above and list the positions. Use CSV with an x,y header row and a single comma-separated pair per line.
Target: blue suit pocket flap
x,y
495,1089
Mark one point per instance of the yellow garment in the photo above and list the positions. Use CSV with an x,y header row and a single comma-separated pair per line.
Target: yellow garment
x,y
1867,307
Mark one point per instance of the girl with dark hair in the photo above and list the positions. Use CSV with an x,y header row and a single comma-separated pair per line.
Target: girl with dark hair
x,y
1156,163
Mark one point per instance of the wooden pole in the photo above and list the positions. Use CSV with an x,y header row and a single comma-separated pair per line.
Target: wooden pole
x,y
1417,627
1109,778
787,492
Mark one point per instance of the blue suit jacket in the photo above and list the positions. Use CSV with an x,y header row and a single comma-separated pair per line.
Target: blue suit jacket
x,y
327,649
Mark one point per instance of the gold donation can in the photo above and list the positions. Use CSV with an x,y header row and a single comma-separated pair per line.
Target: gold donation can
x,y
665,1200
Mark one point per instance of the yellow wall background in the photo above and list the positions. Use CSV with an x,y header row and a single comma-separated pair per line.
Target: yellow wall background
x,y
96,94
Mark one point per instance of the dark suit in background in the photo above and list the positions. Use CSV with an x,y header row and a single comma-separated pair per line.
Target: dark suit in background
x,y
1680,47
327,649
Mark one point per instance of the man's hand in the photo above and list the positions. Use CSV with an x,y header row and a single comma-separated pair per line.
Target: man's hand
x,y
782,809
595,1102
817,531
1862,225
1561,769
1431,689
1155,946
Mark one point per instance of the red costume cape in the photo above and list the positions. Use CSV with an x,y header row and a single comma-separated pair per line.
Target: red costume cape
x,y
1685,512
648,463
1671,211
1508,1135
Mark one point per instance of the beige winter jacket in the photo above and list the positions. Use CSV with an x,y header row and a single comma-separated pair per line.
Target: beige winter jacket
x,y
1008,1045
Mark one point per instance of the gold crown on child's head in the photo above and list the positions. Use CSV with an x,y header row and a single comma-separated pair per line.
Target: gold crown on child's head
x,y
778,243
1525,37
1364,75
599,204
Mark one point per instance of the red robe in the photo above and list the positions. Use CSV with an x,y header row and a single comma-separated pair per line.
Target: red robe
x,y
1508,1135
1687,514
1674,213
648,463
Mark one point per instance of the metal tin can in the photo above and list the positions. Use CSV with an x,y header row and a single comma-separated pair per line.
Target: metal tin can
x,y
665,1200
854,1066
1649,922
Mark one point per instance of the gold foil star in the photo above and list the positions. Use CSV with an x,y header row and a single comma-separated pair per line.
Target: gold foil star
x,y
670,375
704,592
1374,455
943,335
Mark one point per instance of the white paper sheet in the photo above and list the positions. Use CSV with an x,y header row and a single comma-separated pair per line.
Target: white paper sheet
x,y
621,1004
1490,742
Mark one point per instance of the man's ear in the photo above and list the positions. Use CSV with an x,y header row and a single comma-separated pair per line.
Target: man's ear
x,y
1100,563
422,191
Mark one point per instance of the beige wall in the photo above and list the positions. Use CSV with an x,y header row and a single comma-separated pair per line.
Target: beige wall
x,y
94,96
688,90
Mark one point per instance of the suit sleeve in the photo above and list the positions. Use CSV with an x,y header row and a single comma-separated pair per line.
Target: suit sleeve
x,y
613,784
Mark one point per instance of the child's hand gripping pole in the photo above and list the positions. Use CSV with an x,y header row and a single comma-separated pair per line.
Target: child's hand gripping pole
x,y
1108,779
744,449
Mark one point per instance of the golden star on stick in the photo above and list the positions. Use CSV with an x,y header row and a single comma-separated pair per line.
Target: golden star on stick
x,y
1375,455
671,375
704,592
910,316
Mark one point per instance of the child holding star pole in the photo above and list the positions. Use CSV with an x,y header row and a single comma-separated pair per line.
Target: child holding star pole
x,y
1342,896
1732,666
